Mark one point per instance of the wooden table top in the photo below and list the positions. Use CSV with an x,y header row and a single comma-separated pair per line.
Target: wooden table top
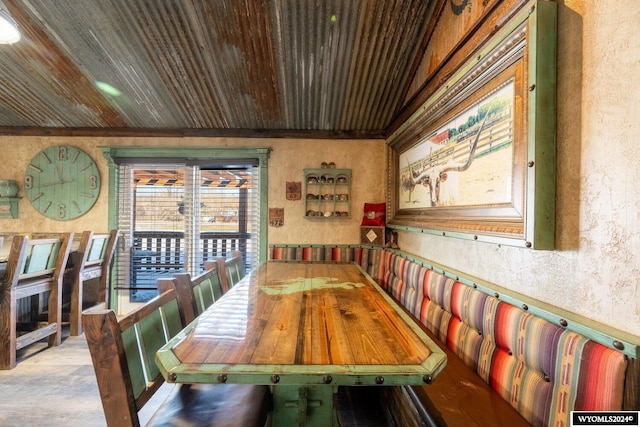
x,y
303,323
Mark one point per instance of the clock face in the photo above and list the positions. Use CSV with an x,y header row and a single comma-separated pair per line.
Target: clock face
x,y
62,182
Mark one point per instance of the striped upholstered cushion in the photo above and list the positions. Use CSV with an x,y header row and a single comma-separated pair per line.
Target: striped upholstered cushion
x,y
411,294
384,270
435,312
545,371
395,275
588,377
541,369
369,259
282,253
465,333
313,253
522,365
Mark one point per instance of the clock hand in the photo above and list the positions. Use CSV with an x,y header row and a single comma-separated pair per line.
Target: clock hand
x,y
59,172
55,183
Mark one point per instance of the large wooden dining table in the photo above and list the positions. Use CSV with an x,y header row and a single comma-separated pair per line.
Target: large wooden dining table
x,y
305,329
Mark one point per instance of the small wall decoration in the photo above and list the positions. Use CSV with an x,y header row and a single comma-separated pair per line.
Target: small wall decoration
x,y
374,214
294,190
477,161
392,239
276,217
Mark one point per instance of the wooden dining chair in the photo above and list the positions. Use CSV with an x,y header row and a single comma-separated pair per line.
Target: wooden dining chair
x,y
234,267
195,294
123,355
91,275
31,286
220,262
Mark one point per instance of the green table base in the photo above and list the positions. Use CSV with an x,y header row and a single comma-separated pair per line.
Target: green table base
x,y
298,405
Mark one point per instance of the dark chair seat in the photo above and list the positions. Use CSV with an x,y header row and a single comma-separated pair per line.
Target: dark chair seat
x,y
219,405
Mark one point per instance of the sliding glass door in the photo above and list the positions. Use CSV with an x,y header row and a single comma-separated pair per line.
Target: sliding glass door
x,y
158,223
176,216
178,206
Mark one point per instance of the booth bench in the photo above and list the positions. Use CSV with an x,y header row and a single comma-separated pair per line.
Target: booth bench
x,y
512,360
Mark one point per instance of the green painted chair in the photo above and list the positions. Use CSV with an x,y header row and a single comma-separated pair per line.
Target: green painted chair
x,y
234,268
197,293
32,286
90,278
123,355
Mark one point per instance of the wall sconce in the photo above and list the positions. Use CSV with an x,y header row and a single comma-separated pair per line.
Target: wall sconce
x,y
8,28
8,188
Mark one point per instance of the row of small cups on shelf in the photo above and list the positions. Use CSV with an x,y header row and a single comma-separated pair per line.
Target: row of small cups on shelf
x,y
328,213
340,197
326,179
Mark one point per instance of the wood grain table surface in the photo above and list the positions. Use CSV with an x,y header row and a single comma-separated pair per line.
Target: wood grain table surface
x,y
303,324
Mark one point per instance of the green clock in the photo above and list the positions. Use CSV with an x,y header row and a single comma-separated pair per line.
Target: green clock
x,y
62,182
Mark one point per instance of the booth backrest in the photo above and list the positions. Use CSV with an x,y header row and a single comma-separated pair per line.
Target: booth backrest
x,y
30,288
91,265
543,370
234,268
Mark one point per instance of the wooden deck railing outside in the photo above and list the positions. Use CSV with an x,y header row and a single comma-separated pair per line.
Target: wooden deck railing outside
x,y
161,253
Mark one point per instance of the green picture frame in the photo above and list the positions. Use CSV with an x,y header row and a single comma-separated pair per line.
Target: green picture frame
x,y
477,160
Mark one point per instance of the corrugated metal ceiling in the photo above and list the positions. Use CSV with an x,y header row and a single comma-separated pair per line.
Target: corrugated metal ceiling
x,y
327,65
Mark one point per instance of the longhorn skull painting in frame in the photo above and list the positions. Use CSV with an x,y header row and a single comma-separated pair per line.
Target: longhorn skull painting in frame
x,y
477,160
466,162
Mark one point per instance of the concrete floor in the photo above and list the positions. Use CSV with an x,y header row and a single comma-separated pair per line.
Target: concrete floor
x,y
57,387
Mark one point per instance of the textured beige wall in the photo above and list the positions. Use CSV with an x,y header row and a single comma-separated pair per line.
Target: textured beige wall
x,y
595,268
367,161
366,158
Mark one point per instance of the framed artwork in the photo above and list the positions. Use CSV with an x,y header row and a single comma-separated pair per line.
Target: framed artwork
x,y
477,160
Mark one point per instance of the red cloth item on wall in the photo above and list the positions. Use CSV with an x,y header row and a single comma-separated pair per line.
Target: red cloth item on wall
x,y
374,214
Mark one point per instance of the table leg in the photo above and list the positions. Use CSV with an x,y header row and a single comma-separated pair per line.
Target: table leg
x,y
300,405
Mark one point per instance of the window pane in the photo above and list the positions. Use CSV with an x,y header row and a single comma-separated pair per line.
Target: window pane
x,y
224,210
174,217
158,240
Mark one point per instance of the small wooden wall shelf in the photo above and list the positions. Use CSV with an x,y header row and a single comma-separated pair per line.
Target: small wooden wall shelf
x,y
327,193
